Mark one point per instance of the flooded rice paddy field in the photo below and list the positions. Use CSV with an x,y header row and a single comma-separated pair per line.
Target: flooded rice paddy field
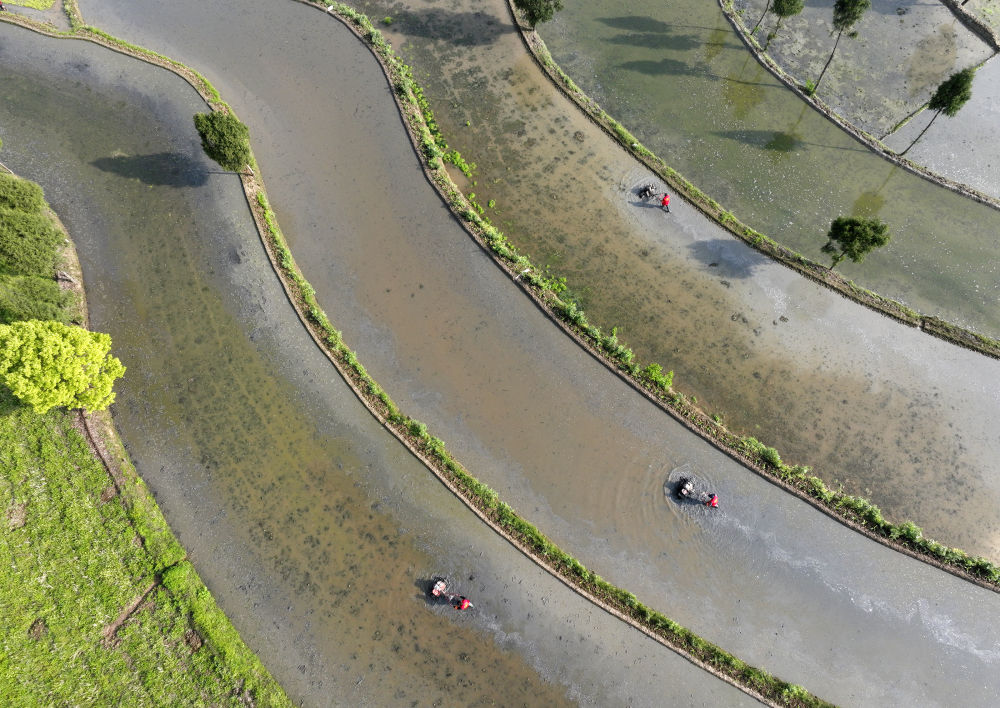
x,y
683,82
568,444
314,529
901,53
879,408
962,147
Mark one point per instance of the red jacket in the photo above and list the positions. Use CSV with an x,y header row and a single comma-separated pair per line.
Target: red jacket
x,y
666,200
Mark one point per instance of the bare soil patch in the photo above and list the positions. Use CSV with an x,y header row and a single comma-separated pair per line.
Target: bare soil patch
x,y
17,516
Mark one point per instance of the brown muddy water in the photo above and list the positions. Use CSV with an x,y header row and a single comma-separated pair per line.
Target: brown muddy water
x,y
873,406
571,447
314,529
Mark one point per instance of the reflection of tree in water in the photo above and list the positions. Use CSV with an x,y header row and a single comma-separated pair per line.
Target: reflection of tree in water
x,y
869,204
674,41
783,143
742,96
715,43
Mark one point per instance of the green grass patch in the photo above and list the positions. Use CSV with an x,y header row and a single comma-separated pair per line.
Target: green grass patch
x,y
20,195
28,297
74,555
28,243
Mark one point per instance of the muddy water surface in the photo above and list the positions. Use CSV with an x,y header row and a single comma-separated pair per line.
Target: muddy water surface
x,y
679,78
571,446
314,529
866,403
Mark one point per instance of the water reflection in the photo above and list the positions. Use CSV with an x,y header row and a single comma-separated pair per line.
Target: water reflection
x,y
800,192
772,381
435,321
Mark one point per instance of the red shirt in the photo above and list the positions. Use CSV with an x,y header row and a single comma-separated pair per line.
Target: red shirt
x,y
666,200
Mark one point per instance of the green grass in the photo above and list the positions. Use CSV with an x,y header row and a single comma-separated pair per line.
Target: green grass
x,y
71,562
25,297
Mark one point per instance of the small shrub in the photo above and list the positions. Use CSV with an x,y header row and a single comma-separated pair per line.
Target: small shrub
x,y
225,139
771,457
654,374
908,531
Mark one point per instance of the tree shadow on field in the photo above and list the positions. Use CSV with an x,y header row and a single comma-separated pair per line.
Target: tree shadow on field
x,y
638,23
161,169
777,141
463,29
670,41
663,67
728,259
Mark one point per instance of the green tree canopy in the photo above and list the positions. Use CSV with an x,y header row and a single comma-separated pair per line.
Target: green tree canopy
x,y
854,238
951,95
953,92
224,138
47,364
788,8
846,14
783,9
536,11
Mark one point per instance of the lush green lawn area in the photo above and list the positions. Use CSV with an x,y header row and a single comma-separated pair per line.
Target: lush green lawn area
x,y
99,606
75,555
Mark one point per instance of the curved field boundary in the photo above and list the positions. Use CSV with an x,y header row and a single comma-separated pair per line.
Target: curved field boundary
x,y
817,272
483,501
870,141
854,511
431,450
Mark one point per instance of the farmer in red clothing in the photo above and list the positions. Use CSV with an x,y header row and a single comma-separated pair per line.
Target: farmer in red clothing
x,y
665,202
713,501
462,603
